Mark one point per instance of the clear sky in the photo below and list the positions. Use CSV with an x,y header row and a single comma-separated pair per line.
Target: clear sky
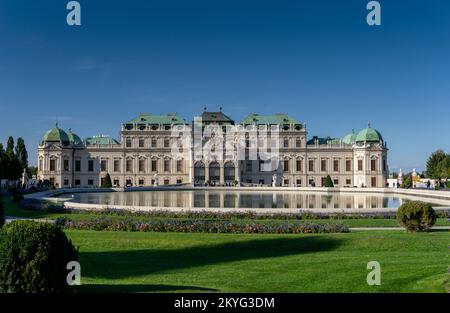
x,y
318,61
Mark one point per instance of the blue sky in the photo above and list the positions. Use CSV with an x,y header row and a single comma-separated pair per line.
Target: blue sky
x,y
316,60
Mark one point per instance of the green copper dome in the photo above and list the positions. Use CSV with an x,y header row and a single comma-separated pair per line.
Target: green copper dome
x,y
369,134
56,135
350,138
74,138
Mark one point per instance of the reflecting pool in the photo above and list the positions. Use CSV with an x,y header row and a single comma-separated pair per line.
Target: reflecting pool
x,y
245,199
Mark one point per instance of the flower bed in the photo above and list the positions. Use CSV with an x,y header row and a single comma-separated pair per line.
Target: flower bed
x,y
198,226
242,215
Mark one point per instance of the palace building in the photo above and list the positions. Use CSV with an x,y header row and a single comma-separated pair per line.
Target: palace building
x,y
144,155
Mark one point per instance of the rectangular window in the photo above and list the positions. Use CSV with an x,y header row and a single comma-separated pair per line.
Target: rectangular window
x,y
129,142
166,143
274,143
286,165
373,165
40,165
116,165
360,165
299,165
154,143
311,165
249,166
129,165
166,165
116,182
286,143
66,166
90,165
299,182
141,142
90,182
141,165
348,181
298,142
154,166
77,165
261,165
180,145
374,181
336,181
77,182
179,181
66,182
384,165
286,182
52,165
323,165
179,166
141,182
166,181
336,165
348,165
104,165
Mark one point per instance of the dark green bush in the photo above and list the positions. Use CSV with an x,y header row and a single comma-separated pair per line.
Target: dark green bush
x,y
329,182
33,257
17,198
107,181
416,216
407,183
2,213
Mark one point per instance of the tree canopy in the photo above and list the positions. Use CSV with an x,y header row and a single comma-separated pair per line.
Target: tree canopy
x,y
13,159
438,165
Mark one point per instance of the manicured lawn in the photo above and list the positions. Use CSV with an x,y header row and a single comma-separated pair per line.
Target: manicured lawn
x,y
197,262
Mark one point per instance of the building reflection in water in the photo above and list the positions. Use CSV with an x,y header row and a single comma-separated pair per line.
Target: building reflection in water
x,y
241,199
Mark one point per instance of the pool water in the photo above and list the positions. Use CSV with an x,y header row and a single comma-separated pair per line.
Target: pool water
x,y
243,199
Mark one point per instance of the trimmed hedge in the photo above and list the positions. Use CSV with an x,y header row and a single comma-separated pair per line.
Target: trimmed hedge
x,y
202,226
416,216
33,257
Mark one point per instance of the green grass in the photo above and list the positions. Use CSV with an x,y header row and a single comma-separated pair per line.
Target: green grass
x,y
13,209
193,262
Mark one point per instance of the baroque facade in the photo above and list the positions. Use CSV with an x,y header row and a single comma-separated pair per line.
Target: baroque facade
x,y
144,155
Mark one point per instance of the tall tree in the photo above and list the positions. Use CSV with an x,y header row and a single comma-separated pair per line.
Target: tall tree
x,y
2,162
443,168
12,163
433,162
2,213
21,153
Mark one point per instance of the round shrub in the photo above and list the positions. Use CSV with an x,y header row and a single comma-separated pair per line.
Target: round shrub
x,y
416,216
33,257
